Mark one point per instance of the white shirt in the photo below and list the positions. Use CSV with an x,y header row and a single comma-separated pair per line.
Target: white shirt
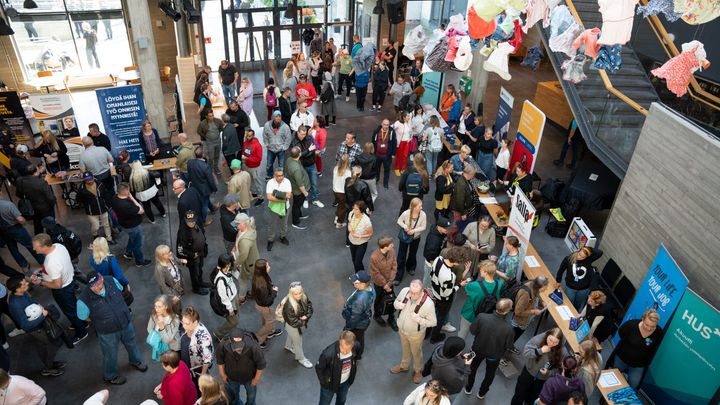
x,y
283,186
339,181
403,131
418,124
503,159
58,265
345,366
299,118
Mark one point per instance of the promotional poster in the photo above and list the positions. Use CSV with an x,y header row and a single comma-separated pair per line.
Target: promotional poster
x,y
529,135
123,112
54,112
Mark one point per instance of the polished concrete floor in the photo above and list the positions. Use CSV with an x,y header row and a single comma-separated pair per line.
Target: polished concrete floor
x,y
317,257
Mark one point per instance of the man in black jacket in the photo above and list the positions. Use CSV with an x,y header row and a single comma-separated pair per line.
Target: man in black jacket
x,y
336,369
493,337
228,210
307,158
201,179
241,362
192,246
40,194
188,199
98,138
94,197
238,118
369,164
434,242
285,105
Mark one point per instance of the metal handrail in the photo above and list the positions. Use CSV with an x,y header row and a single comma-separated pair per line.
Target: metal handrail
x,y
695,90
604,76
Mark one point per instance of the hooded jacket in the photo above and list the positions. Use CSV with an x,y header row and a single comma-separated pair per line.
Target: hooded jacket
x,y
246,252
451,372
276,142
558,388
434,242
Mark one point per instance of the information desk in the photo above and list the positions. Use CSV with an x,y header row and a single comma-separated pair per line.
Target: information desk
x,y
72,176
606,390
497,213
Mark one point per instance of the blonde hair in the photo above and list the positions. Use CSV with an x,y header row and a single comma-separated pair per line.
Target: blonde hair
x,y
598,297
100,249
488,267
51,140
651,315
413,204
441,169
160,252
210,390
294,287
465,149
138,175
590,360
342,165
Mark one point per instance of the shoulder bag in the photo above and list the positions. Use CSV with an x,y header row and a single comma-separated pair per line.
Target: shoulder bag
x,y
404,237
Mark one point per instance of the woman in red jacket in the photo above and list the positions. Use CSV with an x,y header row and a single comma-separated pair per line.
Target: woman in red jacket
x,y
251,158
319,135
177,387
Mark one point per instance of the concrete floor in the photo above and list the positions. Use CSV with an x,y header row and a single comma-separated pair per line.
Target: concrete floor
x,y
317,257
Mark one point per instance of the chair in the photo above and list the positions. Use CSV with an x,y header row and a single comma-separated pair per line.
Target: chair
x,y
165,75
624,292
610,274
132,75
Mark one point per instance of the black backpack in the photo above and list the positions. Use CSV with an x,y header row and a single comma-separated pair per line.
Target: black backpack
x,y
413,184
404,101
512,292
487,305
215,302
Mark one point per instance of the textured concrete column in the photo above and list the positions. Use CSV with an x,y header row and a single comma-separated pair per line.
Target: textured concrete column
x,y
143,47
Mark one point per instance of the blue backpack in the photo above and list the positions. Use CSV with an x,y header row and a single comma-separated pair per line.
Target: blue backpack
x,y
413,184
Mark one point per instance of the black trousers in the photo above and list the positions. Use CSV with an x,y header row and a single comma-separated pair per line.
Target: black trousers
x,y
357,253
348,84
360,338
297,203
442,310
147,206
378,97
380,294
195,266
491,366
38,217
407,258
527,389
518,332
360,93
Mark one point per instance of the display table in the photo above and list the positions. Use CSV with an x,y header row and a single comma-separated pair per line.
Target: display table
x,y
593,184
496,211
550,99
72,176
605,391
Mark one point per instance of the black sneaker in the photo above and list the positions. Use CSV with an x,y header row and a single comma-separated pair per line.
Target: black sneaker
x,y
380,321
140,366
201,291
259,202
284,241
52,372
269,246
411,272
276,332
119,380
143,263
79,339
263,345
58,365
393,325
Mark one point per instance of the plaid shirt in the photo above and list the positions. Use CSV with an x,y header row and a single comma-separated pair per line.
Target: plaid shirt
x,y
352,151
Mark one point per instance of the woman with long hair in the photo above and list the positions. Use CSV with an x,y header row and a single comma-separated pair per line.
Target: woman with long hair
x,y
54,153
264,293
245,95
341,173
433,135
328,108
430,393
145,190
558,387
360,230
526,305
580,275
589,365
403,134
357,189
413,223
447,101
296,313
318,132
418,124
105,263
414,182
149,141
485,158
197,339
167,272
444,186
223,279
315,64
165,321
211,391
502,161
543,355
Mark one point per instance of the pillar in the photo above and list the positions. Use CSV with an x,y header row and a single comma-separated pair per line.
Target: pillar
x,y
479,77
143,46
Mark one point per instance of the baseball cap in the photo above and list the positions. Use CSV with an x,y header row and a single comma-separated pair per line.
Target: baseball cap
x,y
360,276
276,113
22,148
189,216
48,222
303,76
443,222
235,164
88,177
93,278
241,217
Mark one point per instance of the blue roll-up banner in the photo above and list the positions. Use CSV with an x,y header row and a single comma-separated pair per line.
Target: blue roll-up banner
x,y
662,290
123,112
504,114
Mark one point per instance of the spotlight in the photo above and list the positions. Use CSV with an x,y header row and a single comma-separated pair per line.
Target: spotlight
x,y
191,13
5,29
170,11
30,4
290,11
378,10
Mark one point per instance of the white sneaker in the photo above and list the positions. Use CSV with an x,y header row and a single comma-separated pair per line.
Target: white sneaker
x,y
347,99
352,90
16,332
318,204
305,204
448,328
306,363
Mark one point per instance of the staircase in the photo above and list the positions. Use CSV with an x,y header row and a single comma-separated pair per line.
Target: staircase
x,y
609,125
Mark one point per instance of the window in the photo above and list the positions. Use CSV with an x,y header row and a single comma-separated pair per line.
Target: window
x,y
74,37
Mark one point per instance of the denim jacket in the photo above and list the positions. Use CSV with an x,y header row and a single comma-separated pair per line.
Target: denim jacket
x,y
358,309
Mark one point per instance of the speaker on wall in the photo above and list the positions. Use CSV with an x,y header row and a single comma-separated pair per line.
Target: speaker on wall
x,y
396,11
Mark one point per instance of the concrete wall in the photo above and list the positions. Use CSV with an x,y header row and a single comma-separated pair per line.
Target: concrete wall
x,y
670,196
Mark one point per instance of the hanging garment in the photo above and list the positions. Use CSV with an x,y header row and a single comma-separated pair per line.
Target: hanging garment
x,y
655,7
498,61
573,69
505,28
452,48
457,23
415,41
696,12
678,70
533,56
464,56
489,9
489,48
535,11
588,39
435,60
477,27
609,58
617,18
516,41
564,42
560,20
699,51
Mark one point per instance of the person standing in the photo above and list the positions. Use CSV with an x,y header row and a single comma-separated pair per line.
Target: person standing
x,y
98,138
383,267
239,185
102,261
279,194
271,96
228,210
417,313
245,252
308,153
245,96
349,147
188,199
228,76
290,83
285,105
149,141
129,214
360,231
230,140
527,301
96,207
145,190
571,142
302,117
639,340
461,202
327,99
166,322
202,180
502,161
319,136
96,160
238,118
102,301
485,158
336,369
91,40
341,172
210,130
493,337
356,190
277,138
432,392
185,151
413,223
57,275
477,291
223,277
403,131
449,365
399,90
357,311
381,80
241,362
251,158
168,275
305,92
39,193
388,56
192,246
385,143
54,152
20,390
296,311
264,293
196,345
361,87
580,275
177,386
300,182
345,70
543,356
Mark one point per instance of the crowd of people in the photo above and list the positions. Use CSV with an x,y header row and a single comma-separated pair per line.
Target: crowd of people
x,y
461,256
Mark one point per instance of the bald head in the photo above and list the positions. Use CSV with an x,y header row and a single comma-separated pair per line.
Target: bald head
x,y
87,142
178,186
182,138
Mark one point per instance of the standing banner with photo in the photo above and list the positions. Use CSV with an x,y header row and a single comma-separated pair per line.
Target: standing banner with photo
x,y
14,125
522,216
662,290
54,112
432,82
123,113
529,135
691,343
504,114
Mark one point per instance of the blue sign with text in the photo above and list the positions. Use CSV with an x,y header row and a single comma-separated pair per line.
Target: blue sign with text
x,y
123,112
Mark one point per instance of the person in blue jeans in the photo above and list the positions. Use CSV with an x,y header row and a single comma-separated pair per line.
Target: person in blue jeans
x,y
102,301
13,232
571,142
336,369
130,216
241,363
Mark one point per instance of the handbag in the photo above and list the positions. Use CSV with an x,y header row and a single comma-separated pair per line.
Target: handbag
x,y
53,329
404,237
388,303
158,346
278,208
25,206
